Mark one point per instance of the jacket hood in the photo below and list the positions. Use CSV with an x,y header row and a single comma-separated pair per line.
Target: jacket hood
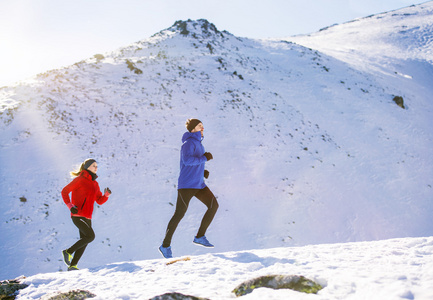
x,y
194,135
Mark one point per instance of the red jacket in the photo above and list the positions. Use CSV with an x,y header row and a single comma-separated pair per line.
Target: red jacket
x,y
85,192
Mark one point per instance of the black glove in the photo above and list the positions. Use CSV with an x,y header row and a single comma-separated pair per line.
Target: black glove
x,y
74,209
208,155
206,174
107,190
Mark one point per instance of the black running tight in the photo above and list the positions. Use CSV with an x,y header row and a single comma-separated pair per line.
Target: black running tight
x,y
183,198
87,235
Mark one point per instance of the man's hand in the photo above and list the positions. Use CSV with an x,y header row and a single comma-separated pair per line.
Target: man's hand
x,y
208,155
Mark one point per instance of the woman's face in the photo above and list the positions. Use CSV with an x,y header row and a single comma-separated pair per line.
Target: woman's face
x,y
93,168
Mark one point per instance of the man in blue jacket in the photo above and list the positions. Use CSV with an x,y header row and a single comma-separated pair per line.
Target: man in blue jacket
x,y
191,184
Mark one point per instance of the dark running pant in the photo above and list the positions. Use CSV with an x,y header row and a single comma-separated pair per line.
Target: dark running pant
x,y
183,198
87,235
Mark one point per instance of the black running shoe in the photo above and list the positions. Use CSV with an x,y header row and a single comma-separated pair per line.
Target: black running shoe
x,y
73,268
67,258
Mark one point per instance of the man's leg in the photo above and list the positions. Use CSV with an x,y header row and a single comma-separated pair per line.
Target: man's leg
x,y
207,197
183,198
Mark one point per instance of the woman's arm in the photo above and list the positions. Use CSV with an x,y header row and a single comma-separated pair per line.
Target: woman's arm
x,y
68,189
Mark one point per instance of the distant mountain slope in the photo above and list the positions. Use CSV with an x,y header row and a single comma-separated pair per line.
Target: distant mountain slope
x,y
378,40
306,149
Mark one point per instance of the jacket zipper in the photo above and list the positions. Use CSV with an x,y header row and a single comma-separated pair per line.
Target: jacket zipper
x,y
83,203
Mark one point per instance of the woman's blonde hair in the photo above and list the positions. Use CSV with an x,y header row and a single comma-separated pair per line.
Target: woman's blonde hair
x,y
77,172
87,163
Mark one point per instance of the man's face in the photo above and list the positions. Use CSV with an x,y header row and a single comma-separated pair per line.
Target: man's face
x,y
199,127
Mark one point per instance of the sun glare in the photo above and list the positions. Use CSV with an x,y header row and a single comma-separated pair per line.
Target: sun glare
x,y
15,64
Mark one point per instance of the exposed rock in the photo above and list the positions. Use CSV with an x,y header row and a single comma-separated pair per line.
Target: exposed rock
x,y
293,282
72,295
200,27
176,296
99,57
9,289
399,101
133,68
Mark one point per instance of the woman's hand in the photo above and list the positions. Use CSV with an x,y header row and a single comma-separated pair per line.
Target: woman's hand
x,y
74,209
107,192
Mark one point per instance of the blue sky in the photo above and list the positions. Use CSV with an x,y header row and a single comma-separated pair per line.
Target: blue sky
x,y
39,35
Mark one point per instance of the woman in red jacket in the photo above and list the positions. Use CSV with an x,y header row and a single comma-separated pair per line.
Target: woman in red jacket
x,y
85,191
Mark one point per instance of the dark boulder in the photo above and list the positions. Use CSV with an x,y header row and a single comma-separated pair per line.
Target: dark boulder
x,y
176,296
399,101
9,289
73,295
293,282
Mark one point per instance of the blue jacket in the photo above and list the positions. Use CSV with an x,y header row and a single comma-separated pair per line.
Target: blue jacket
x,y
192,161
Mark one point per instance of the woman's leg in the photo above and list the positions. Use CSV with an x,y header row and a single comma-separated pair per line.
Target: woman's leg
x,y
87,235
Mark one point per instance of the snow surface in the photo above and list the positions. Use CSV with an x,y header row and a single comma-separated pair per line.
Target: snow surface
x,y
376,42
309,148
388,269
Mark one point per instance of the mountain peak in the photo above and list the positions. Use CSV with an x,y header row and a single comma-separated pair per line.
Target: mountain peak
x,y
196,28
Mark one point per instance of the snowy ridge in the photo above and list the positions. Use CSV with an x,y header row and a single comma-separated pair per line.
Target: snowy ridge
x,y
376,41
389,269
307,148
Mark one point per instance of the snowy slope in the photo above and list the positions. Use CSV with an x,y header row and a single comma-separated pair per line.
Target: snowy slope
x,y
389,269
307,148
376,41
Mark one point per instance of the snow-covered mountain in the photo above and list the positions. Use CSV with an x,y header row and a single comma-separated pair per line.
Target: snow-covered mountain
x,y
377,42
309,146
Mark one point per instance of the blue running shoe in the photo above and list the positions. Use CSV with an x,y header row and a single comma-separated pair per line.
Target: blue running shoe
x,y
166,251
202,241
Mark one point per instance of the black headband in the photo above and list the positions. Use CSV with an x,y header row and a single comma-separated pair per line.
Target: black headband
x,y
88,162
